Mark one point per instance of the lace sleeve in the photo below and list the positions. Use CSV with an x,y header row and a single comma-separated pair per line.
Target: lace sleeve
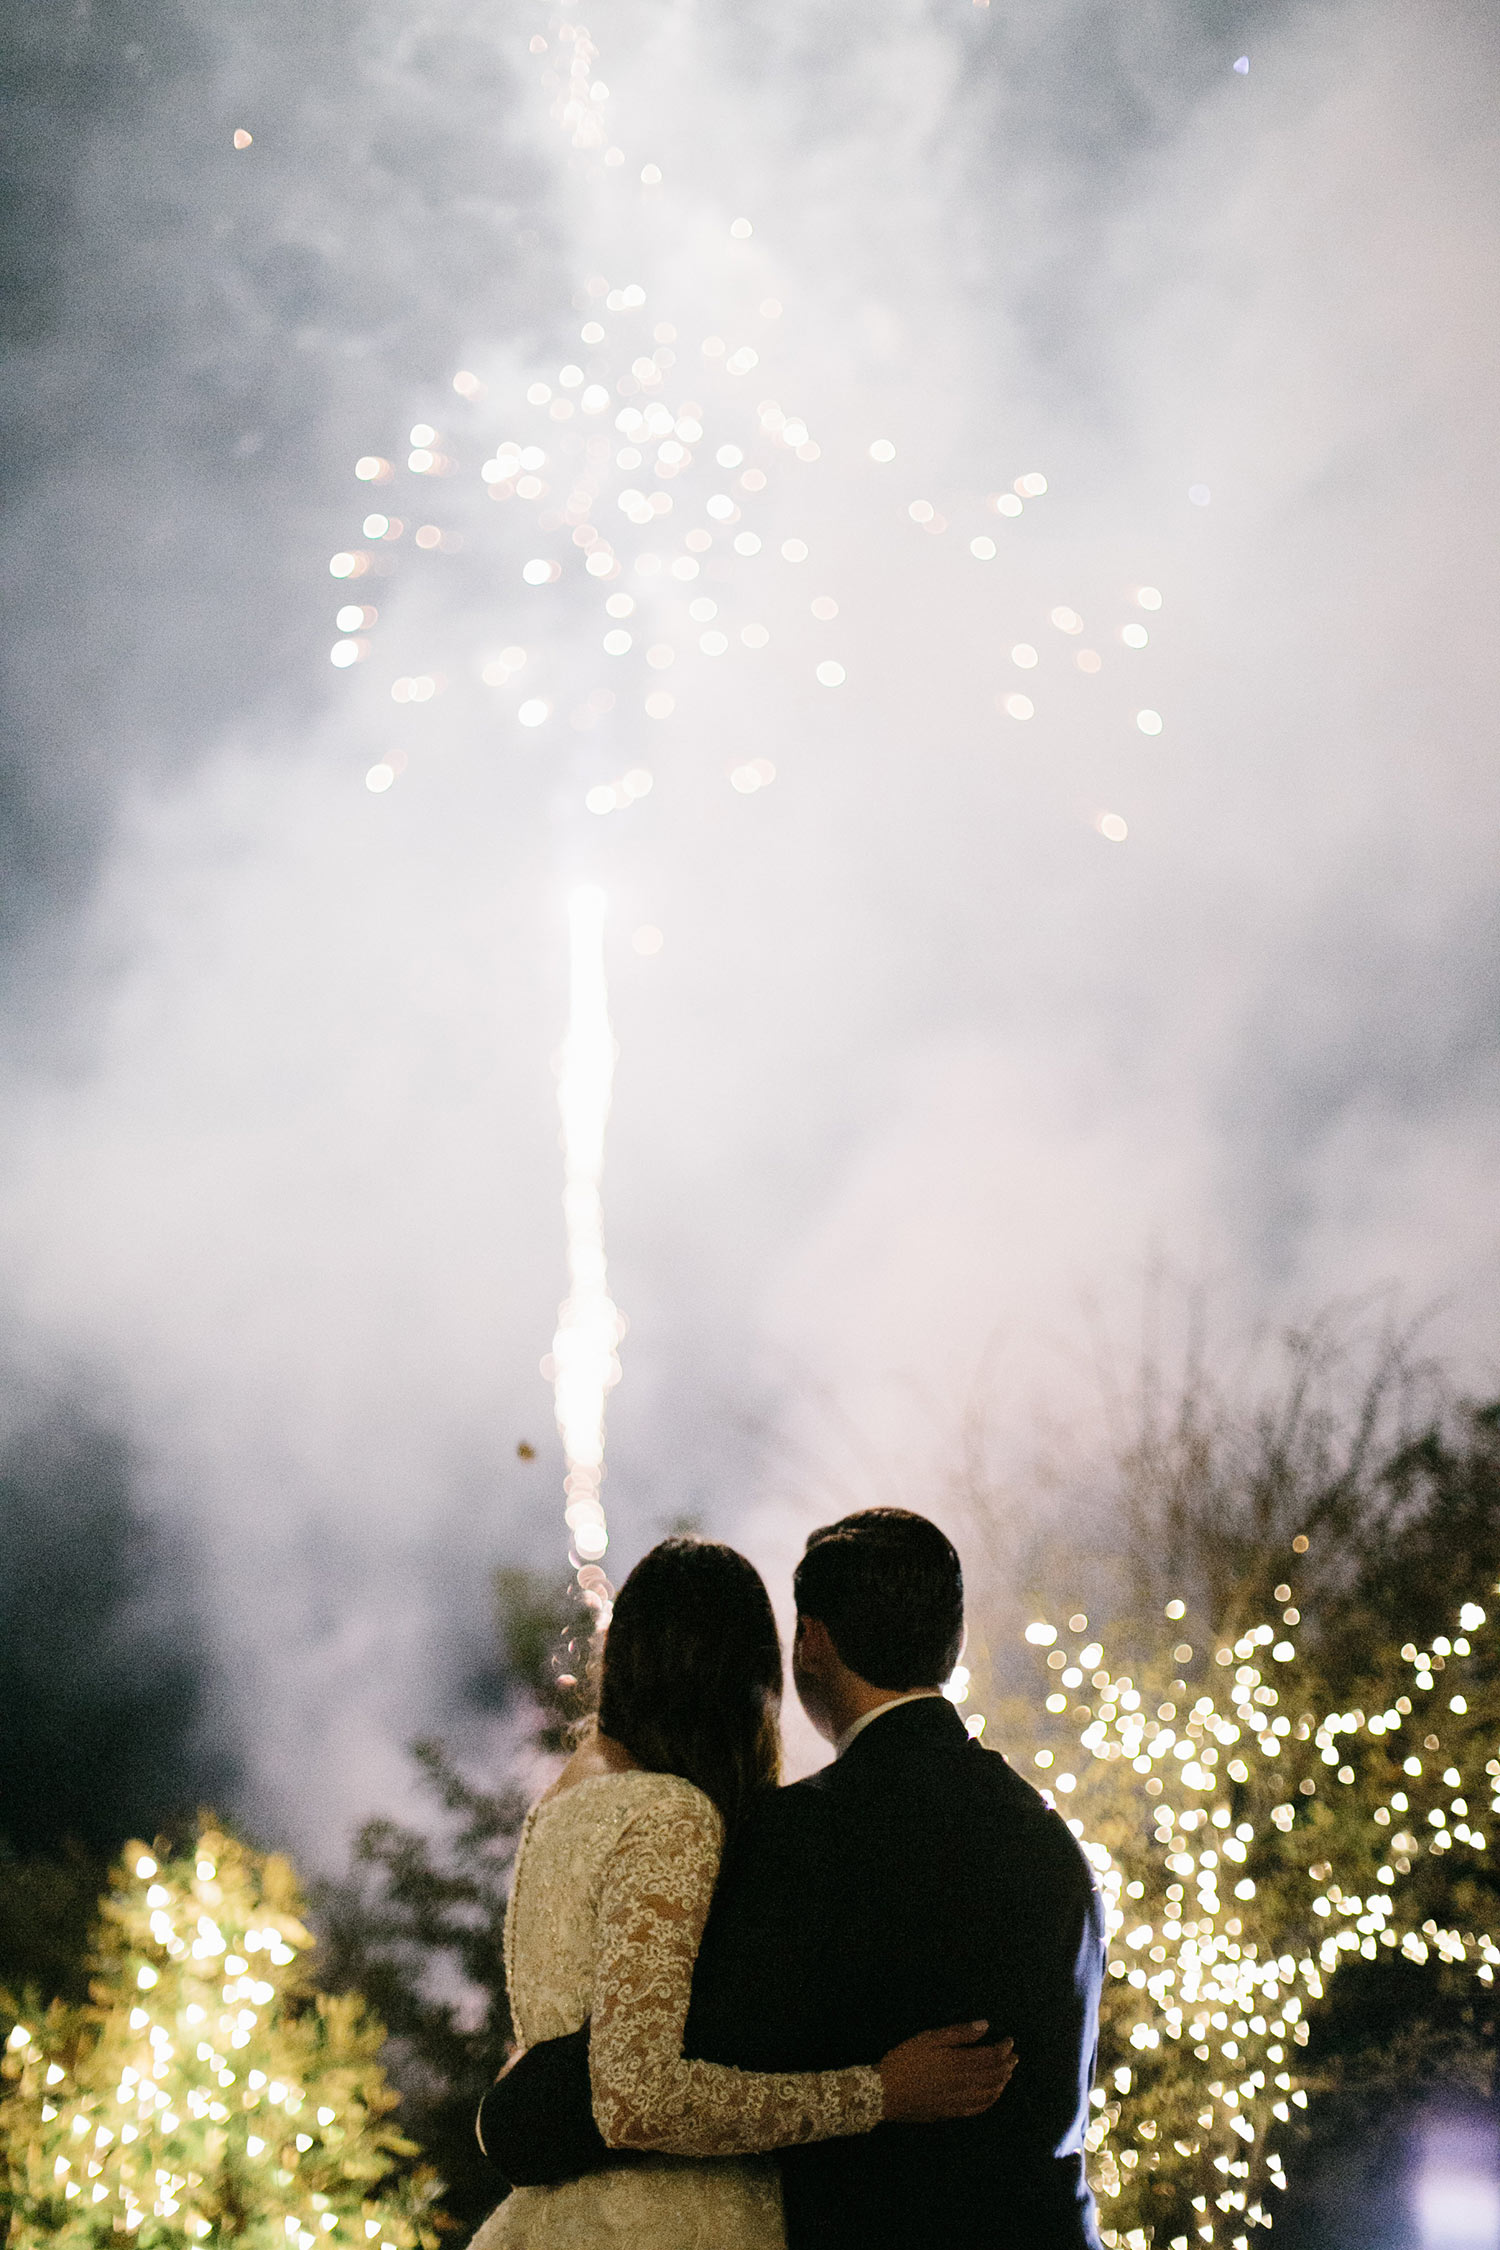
x,y
657,1888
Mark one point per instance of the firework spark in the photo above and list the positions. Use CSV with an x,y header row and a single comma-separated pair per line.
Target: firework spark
x,y
649,520
585,1356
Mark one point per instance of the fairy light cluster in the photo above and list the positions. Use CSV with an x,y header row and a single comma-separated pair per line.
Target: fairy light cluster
x,y
205,2094
1248,1840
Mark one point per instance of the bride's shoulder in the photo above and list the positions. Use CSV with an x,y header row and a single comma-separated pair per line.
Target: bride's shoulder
x,y
663,1809
595,1758
596,1777
673,1794
668,1821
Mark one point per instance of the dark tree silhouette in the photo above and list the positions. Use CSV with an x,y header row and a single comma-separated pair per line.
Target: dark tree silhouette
x,y
103,1684
418,1926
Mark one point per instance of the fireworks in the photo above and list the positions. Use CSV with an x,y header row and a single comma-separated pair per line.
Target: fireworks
x,y
648,525
654,464
585,1357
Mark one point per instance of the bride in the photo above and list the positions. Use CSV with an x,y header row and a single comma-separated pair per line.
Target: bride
x,y
614,1876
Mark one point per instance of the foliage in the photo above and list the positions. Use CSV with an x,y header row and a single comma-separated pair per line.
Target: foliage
x,y
205,2092
546,1634
1287,1776
104,1680
105,1687
419,1927
419,1930
47,1912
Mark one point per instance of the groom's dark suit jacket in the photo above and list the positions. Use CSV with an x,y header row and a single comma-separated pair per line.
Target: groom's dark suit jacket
x,y
916,1881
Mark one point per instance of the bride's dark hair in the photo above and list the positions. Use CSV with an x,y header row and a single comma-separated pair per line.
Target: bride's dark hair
x,y
691,1680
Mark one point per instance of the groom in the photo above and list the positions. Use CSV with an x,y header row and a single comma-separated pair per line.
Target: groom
x,y
914,1882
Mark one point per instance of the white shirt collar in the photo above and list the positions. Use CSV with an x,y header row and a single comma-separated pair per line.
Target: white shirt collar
x,y
915,1695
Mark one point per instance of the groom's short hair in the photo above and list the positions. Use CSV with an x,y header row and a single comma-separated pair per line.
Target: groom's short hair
x,y
890,1589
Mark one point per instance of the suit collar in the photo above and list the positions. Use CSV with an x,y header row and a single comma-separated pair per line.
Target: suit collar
x,y
868,1718
930,1721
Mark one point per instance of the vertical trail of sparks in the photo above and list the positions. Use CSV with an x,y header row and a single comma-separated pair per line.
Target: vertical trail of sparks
x,y
589,1327
668,488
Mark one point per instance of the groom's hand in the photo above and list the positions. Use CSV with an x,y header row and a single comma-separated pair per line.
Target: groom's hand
x,y
942,2074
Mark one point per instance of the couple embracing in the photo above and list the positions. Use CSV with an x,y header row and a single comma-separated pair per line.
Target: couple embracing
x,y
858,2013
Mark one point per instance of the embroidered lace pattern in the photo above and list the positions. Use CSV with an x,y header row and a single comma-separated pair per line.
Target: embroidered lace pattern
x,y
613,1883
613,1880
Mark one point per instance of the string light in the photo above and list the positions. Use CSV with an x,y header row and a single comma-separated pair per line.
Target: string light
x,y
1248,1841
198,2083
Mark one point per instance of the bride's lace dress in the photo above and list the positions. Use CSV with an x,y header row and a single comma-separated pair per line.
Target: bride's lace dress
x,y
613,1882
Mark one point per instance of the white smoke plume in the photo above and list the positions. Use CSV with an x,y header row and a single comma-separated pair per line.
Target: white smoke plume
x,y
926,1058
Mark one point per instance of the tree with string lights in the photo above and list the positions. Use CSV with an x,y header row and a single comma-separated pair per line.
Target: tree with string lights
x,y
206,2093
1285,1767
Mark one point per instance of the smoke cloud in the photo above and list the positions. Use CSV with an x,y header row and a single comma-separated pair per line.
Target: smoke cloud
x,y
927,1059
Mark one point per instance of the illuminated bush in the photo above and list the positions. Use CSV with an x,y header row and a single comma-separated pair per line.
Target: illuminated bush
x,y
1281,1838
1277,1780
207,2094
